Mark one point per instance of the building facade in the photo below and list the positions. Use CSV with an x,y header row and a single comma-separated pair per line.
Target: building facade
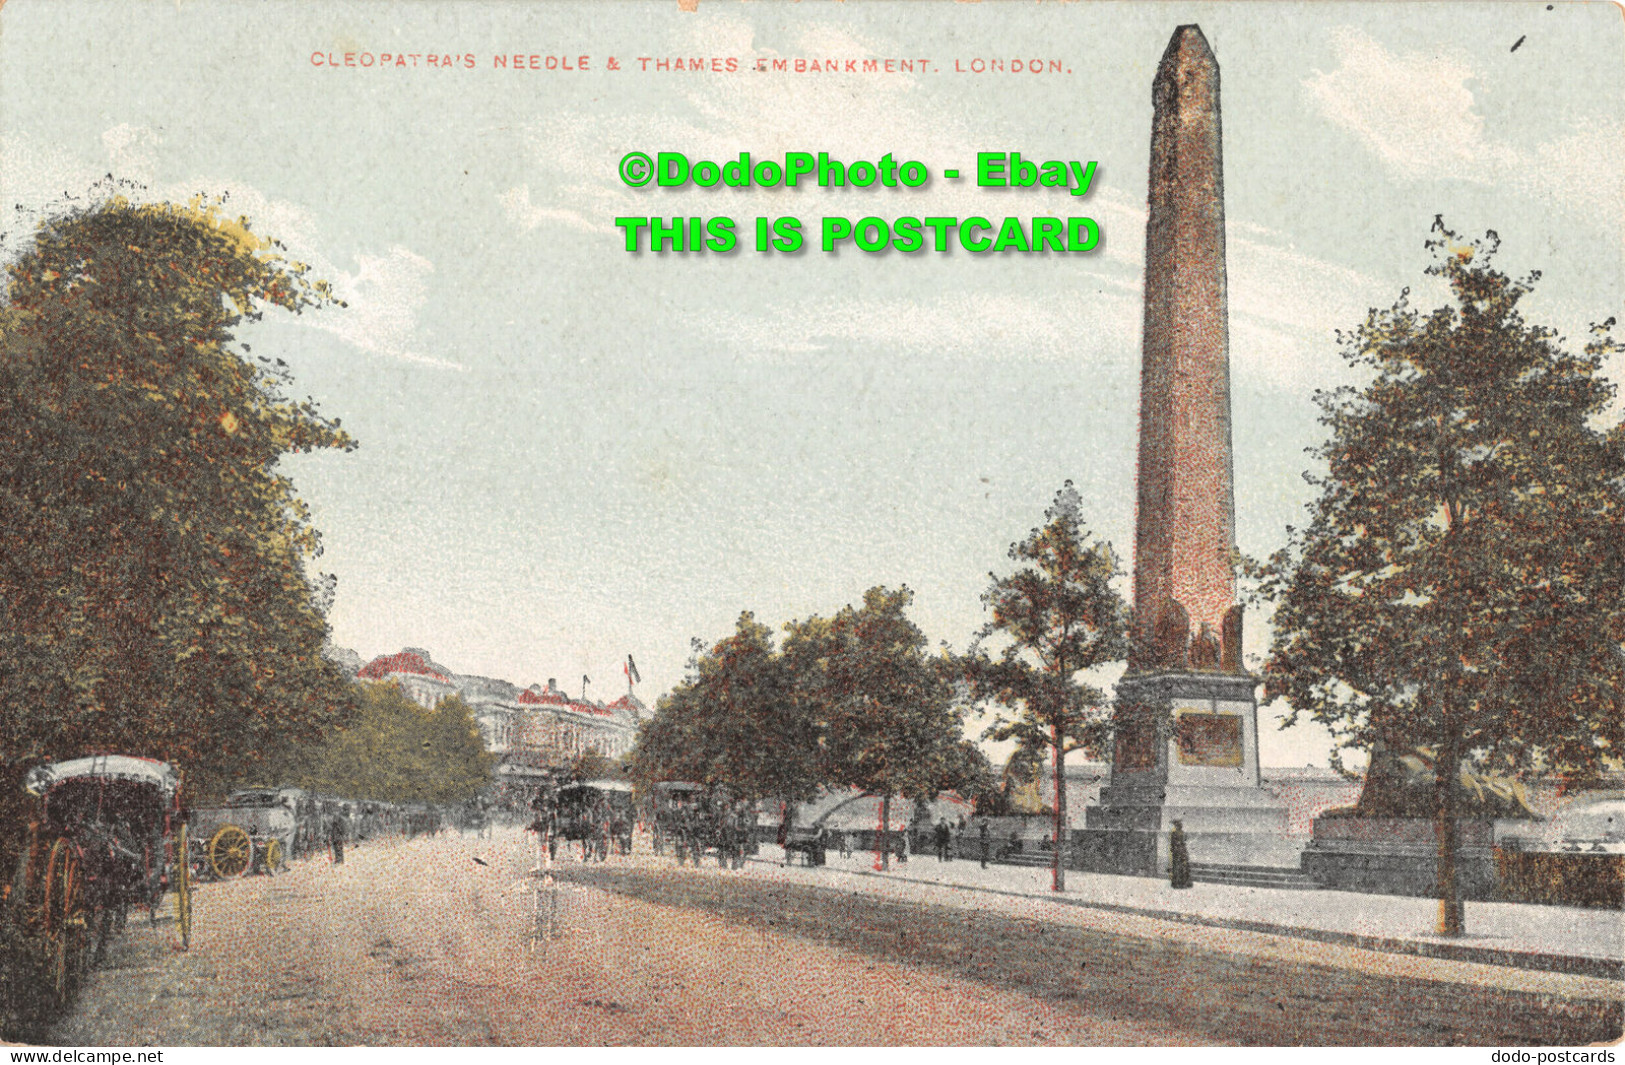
x,y
529,730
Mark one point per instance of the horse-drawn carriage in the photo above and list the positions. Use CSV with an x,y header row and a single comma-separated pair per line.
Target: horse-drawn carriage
x,y
110,834
254,829
594,813
693,821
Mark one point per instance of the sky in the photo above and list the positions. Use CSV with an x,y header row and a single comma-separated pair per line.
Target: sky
x,y
569,452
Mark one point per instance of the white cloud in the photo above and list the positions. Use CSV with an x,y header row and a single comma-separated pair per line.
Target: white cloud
x,y
1417,113
1584,170
1414,111
132,151
384,295
34,179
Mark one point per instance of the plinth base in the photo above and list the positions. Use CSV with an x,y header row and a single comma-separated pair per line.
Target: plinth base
x,y
1223,826
1186,751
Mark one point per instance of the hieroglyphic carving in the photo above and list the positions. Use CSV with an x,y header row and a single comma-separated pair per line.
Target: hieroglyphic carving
x,y
1208,739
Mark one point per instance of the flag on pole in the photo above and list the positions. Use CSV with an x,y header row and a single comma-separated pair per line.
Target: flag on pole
x,y
632,671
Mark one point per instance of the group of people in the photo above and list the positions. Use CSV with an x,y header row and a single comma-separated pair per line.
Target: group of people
x,y
334,823
946,837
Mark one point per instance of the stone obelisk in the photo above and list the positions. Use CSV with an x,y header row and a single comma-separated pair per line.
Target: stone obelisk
x,y
1186,744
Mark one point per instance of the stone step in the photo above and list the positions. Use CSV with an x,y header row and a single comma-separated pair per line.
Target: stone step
x,y
1027,858
1222,867
1254,876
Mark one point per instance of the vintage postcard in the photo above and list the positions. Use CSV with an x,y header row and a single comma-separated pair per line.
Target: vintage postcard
x,y
685,522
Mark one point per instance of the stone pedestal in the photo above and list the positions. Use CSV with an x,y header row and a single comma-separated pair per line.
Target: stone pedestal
x,y
1186,750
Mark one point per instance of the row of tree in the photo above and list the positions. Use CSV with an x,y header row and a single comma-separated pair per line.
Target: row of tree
x,y
156,594
392,750
857,701
849,701
1460,583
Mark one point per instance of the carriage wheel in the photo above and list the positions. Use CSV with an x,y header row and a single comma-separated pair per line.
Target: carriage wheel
x,y
64,921
230,852
273,856
183,890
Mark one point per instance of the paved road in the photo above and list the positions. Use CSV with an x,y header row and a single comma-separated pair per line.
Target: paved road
x,y
1230,986
416,942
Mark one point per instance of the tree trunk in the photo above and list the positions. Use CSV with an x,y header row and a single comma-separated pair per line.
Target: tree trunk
x,y
885,832
1058,861
1446,768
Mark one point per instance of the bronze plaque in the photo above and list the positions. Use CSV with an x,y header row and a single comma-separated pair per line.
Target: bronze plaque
x,y
1209,739
1136,746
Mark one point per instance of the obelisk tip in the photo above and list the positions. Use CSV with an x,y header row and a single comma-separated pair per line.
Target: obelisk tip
x,y
1188,44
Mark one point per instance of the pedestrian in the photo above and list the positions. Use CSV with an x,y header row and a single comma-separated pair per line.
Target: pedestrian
x,y
846,844
335,838
981,832
1179,858
743,823
943,835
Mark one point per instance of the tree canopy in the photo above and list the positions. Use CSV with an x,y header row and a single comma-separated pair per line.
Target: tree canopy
x,y
395,751
1461,581
1056,616
852,700
891,724
154,596
734,721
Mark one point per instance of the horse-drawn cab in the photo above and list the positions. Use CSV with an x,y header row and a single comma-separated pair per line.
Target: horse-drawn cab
x,y
695,821
673,802
595,813
110,834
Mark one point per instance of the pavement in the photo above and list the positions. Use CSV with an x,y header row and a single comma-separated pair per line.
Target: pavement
x,y
1558,939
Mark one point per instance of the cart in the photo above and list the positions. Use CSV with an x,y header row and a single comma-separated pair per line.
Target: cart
x,y
254,830
110,835
597,813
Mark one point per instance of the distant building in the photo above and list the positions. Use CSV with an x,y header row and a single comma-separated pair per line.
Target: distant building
x,y
528,729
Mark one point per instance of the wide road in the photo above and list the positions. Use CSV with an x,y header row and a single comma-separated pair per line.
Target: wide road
x,y
434,941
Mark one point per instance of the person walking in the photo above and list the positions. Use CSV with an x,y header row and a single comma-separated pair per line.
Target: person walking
x,y
981,834
943,835
1179,858
335,837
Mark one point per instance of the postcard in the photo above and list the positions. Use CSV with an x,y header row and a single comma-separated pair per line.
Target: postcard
x,y
685,522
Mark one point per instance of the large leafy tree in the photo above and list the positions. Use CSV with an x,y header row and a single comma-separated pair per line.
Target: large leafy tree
x,y
1460,584
1054,618
154,596
890,722
395,751
735,721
